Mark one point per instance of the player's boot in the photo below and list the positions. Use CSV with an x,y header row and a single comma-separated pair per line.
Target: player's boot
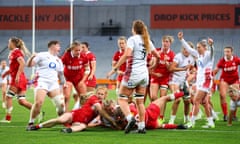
x,y
181,126
225,118
140,131
7,119
190,125
130,125
66,130
209,125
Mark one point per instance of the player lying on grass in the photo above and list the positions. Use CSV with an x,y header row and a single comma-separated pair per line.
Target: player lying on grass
x,y
151,115
80,118
234,94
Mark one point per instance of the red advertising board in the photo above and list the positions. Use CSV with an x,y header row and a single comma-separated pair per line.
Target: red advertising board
x,y
195,16
12,18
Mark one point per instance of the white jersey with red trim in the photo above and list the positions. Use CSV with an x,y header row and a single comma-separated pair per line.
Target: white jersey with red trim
x,y
48,66
182,61
204,62
137,63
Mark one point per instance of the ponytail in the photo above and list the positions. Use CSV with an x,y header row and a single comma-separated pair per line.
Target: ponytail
x,y
19,43
146,39
141,29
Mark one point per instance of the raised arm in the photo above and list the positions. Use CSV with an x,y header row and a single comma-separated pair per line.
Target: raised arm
x,y
192,51
210,43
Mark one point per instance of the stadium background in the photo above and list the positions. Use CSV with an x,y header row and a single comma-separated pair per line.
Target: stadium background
x,y
101,22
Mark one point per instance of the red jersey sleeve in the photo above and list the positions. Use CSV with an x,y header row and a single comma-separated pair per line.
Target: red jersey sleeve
x,y
91,57
238,60
115,56
220,63
64,58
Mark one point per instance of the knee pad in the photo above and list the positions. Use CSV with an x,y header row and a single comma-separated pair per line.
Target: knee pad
x,y
58,101
138,96
19,97
10,93
121,96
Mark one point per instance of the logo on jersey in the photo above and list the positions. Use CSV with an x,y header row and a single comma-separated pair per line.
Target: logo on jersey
x,y
200,63
52,65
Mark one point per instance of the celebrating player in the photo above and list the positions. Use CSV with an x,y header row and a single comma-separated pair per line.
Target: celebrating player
x,y
50,72
181,63
205,60
229,76
136,75
18,83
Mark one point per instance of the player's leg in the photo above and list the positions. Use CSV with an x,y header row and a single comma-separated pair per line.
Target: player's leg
x,y
67,91
57,99
76,127
81,89
139,96
154,87
124,94
210,123
9,106
174,87
223,87
21,96
65,118
4,90
39,96
200,95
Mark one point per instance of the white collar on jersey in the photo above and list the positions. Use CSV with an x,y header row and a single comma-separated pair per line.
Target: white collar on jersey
x,y
225,58
73,55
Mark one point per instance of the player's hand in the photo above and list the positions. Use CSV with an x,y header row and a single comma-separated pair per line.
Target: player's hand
x,y
90,77
120,72
210,41
17,79
110,73
180,35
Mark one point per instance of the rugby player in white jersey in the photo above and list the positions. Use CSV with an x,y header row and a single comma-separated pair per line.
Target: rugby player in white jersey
x,y
50,75
180,65
136,76
205,60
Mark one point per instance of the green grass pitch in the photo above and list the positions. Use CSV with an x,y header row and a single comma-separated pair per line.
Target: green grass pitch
x,y
15,133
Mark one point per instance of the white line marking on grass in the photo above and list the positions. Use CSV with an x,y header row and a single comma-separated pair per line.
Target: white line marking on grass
x,y
187,130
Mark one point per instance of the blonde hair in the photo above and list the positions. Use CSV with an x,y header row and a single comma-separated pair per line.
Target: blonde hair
x,y
140,28
122,38
168,37
19,43
203,43
73,45
102,88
